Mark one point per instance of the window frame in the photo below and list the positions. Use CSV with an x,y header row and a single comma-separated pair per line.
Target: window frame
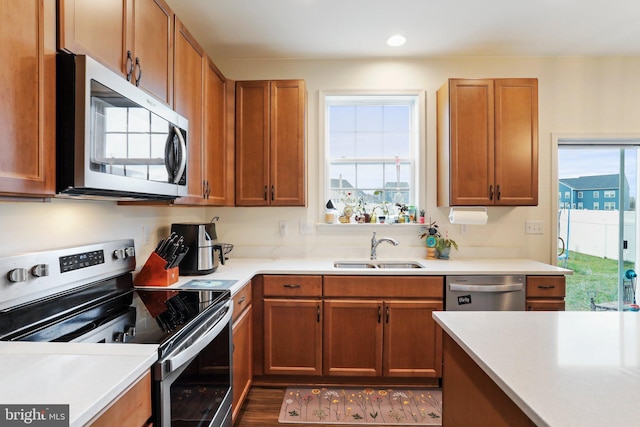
x,y
418,171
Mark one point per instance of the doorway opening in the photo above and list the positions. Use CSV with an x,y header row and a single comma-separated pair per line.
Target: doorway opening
x,y
597,187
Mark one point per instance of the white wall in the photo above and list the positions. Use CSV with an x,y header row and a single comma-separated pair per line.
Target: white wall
x,y
576,95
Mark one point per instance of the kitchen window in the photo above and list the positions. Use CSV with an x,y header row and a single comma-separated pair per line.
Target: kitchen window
x,y
371,150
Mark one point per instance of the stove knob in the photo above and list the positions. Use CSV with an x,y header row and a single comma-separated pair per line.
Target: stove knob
x,y
124,253
40,270
118,337
130,331
17,275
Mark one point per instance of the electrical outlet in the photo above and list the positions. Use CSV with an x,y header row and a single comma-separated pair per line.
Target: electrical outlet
x,y
283,228
533,227
305,227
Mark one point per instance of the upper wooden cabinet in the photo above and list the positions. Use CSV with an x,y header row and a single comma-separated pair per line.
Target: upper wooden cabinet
x,y
270,143
132,37
188,97
28,93
218,168
488,142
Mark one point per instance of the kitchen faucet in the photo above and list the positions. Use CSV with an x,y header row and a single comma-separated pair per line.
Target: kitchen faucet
x,y
375,243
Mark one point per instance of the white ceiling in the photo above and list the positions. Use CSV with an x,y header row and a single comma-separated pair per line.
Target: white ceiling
x,y
230,29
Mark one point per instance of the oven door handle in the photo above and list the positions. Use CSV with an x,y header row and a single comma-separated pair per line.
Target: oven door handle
x,y
486,288
174,362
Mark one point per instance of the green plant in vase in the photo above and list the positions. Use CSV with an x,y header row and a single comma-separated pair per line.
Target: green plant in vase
x,y
444,245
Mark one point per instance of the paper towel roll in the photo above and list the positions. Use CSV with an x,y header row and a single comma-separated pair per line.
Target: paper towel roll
x,y
473,217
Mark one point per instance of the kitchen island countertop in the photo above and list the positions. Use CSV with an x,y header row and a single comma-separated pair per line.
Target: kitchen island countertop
x,y
559,368
87,377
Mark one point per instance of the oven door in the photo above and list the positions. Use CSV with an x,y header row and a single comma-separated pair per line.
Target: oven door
x,y
192,384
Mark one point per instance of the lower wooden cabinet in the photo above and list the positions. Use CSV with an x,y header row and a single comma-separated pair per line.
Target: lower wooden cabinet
x,y
546,293
348,326
292,325
382,338
132,408
242,328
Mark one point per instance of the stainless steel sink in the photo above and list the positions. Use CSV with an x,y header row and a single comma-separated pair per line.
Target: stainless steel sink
x,y
377,264
399,264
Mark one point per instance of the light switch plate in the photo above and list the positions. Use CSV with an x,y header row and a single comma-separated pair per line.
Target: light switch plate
x,y
533,227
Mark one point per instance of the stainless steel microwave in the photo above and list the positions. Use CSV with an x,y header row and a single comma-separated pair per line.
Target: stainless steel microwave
x,y
115,141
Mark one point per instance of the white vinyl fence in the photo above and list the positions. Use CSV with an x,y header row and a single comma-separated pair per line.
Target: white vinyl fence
x,y
596,232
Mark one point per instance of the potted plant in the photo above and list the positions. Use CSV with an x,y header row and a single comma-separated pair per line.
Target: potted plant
x,y
431,234
443,246
421,220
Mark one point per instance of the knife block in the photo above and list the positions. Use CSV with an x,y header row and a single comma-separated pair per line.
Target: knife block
x,y
154,274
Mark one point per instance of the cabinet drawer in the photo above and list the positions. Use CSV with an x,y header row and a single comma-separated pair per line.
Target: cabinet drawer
x,y
292,286
545,286
545,305
241,301
384,286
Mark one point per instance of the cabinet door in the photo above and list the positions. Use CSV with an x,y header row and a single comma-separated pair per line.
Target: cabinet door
x,y
27,87
292,337
188,91
252,136
242,361
412,339
516,142
218,149
471,142
153,48
353,338
287,143
97,29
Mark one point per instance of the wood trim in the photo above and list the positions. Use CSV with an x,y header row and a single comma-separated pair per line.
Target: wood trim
x,y
131,408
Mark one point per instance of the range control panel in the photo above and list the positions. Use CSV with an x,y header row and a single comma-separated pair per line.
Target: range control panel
x,y
24,278
83,260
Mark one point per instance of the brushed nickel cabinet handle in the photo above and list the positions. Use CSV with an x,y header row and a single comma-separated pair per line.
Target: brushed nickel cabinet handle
x,y
498,192
291,286
546,286
491,192
242,300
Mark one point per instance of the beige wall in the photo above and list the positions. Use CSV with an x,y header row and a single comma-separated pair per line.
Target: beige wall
x,y
576,95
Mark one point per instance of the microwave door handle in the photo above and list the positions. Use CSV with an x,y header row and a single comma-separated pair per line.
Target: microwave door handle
x,y
183,157
486,288
174,362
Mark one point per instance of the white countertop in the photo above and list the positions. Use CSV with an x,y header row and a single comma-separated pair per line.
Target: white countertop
x,y
243,269
560,368
85,376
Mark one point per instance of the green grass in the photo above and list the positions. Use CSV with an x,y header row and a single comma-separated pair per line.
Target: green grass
x,y
592,276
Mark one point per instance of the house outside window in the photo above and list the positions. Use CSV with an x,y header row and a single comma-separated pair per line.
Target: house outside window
x,y
580,194
567,194
596,206
596,194
371,150
609,206
580,205
609,194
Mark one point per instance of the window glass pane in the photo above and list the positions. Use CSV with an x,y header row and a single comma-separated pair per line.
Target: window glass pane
x,y
369,176
139,120
369,118
397,144
368,144
116,119
397,118
342,118
342,144
139,146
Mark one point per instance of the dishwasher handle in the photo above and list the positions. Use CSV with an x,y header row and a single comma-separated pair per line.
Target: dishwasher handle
x,y
511,287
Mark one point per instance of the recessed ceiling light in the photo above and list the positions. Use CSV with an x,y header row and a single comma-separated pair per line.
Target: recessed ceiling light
x,y
396,40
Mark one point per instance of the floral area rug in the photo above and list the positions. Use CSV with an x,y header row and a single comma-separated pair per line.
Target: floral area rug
x,y
362,406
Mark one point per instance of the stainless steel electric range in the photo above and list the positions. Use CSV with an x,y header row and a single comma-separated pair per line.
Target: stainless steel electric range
x,y
86,294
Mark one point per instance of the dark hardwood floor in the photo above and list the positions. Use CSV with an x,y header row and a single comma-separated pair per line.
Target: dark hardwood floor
x,y
262,407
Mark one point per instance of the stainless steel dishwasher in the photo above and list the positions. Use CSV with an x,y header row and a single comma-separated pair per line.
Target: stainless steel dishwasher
x,y
485,293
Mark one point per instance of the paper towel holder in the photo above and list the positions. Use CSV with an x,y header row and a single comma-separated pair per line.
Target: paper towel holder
x,y
468,215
